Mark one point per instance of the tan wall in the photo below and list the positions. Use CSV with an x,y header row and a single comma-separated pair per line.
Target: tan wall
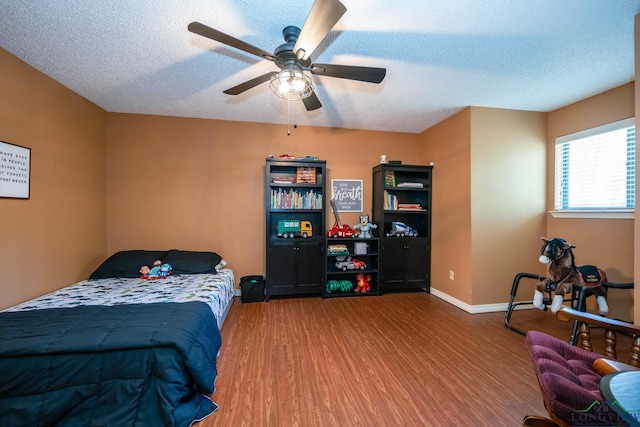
x,y
57,236
447,144
607,243
488,199
199,184
508,169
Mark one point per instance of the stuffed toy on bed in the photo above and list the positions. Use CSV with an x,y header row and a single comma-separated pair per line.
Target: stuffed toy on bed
x,y
165,271
159,271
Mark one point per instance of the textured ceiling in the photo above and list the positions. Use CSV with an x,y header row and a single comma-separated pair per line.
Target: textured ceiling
x,y
441,56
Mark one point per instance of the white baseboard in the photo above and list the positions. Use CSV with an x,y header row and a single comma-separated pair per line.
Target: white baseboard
x,y
474,309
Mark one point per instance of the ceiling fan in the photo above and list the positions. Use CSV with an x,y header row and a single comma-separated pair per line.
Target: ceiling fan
x,y
293,57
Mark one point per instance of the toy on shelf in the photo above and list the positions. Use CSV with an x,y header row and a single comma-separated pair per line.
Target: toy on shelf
x,y
363,283
349,263
339,229
400,229
334,286
365,227
294,228
337,250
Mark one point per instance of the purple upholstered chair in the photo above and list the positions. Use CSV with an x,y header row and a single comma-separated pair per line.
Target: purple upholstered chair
x,y
569,376
565,374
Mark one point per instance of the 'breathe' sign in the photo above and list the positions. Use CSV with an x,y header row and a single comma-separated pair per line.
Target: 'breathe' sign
x,y
347,194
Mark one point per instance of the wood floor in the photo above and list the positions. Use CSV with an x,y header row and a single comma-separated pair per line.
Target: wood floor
x,y
405,359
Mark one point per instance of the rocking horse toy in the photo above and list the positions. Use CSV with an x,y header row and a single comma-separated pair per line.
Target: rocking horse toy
x,y
563,277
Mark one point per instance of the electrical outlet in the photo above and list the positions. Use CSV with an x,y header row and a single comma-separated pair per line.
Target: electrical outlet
x,y
450,274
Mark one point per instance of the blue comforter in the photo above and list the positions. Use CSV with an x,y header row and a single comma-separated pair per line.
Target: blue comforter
x,y
125,365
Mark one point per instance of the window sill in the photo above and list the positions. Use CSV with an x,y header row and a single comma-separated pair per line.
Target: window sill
x,y
596,213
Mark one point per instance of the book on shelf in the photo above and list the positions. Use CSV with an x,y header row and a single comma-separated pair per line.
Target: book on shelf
x,y
410,207
293,199
283,179
389,178
390,201
410,185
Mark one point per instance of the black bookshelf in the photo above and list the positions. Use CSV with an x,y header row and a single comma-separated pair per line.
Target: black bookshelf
x,y
295,199
402,194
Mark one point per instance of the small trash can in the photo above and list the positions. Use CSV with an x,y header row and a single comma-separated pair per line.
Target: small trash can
x,y
252,288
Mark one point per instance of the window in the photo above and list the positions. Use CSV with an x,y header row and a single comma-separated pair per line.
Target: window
x,y
596,168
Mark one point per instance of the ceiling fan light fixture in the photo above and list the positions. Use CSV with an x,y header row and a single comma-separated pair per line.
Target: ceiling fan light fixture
x,y
293,57
292,84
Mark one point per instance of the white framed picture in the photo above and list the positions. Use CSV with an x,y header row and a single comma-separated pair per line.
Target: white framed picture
x,y
15,171
347,194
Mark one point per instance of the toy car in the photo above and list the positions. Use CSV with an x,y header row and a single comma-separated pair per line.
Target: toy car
x,y
341,230
400,229
358,264
351,264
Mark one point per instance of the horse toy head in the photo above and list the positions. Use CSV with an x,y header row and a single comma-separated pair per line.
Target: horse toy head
x,y
554,249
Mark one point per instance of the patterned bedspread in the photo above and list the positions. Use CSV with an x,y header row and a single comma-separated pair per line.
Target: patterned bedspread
x,y
217,290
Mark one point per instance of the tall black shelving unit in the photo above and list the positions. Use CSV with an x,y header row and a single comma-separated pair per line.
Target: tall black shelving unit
x,y
295,197
402,194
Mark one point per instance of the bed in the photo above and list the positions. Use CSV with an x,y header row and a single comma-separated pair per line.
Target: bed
x,y
117,349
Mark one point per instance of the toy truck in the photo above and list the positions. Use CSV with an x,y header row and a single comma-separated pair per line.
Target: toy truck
x,y
339,229
294,228
400,229
349,263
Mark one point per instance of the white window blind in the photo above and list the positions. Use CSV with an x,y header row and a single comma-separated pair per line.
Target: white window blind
x,y
595,168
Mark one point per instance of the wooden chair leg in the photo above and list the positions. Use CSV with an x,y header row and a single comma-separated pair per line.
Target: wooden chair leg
x,y
634,359
610,343
584,340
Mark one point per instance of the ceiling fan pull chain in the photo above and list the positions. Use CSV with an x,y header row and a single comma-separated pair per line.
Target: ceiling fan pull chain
x,y
288,117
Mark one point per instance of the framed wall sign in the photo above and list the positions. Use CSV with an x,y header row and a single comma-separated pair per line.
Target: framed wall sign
x,y
15,171
347,194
